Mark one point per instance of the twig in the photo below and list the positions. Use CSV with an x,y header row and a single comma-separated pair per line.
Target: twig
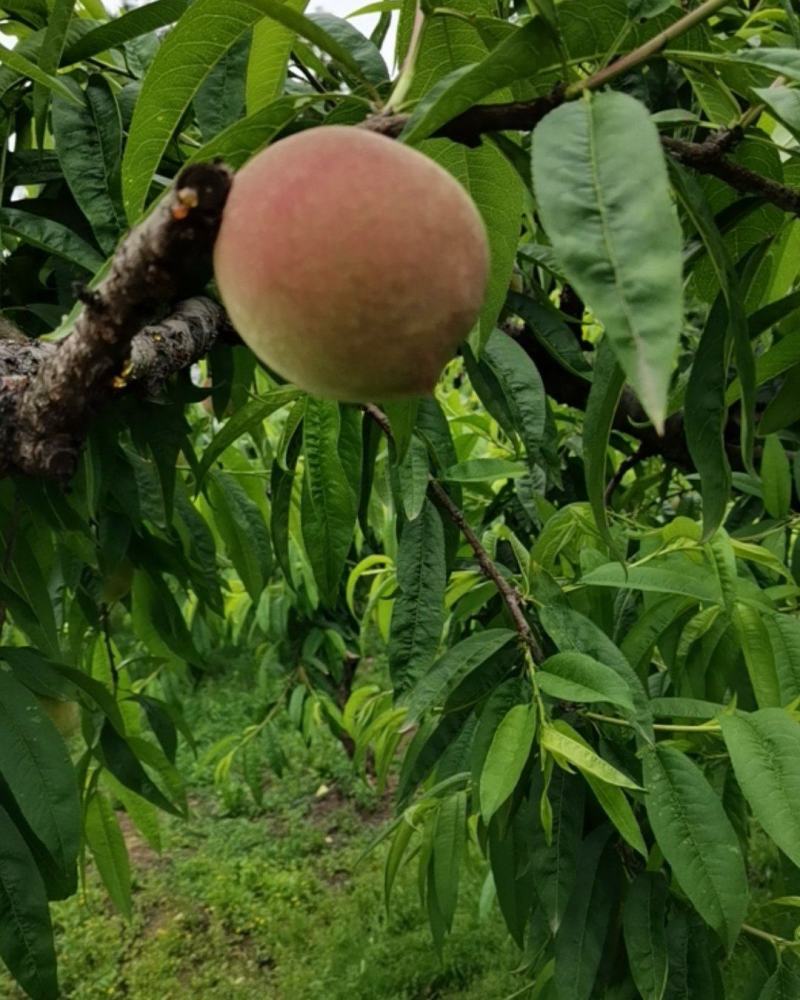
x,y
511,597
646,51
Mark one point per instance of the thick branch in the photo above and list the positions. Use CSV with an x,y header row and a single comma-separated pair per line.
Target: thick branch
x,y
510,596
164,259
157,352
706,157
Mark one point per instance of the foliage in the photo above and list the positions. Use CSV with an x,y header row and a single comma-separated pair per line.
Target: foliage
x,y
271,900
591,629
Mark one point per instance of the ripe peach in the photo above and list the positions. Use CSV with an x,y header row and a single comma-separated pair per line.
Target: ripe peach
x,y
351,264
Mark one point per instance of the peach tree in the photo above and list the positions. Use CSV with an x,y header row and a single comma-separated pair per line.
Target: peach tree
x,y
579,553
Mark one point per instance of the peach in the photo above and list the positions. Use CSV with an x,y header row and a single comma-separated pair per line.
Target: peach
x,y
351,264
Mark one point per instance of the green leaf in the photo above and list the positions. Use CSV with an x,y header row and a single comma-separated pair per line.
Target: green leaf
x,y
158,621
328,504
783,984
219,103
201,37
765,753
118,756
644,927
246,419
753,635
581,936
616,806
697,839
784,408
611,221
612,798
692,196
648,628
466,85
554,859
270,49
784,636
414,477
484,470
50,236
576,677
88,142
241,524
433,688
601,406
497,192
685,708
18,63
402,416
105,840
26,934
783,103
449,841
508,754
641,9
35,764
364,52
132,24
522,388
395,855
776,478
586,760
58,18
656,579
706,416
786,62
418,613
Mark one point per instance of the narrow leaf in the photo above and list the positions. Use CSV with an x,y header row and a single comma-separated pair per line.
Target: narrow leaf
x,y
508,754
576,677
644,927
26,934
105,840
697,839
765,753
612,223
418,613
453,667
586,760
35,764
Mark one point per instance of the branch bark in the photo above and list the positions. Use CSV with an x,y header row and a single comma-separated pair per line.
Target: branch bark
x,y
49,393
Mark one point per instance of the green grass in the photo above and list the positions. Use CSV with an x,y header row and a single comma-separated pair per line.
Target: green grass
x,y
247,903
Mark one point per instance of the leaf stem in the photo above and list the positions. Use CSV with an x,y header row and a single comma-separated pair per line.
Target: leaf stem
x,y
662,727
774,939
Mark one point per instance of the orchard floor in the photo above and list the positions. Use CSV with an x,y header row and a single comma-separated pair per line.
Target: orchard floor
x,y
272,903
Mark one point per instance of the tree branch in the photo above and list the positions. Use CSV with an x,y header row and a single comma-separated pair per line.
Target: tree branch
x,y
158,351
706,157
510,596
48,401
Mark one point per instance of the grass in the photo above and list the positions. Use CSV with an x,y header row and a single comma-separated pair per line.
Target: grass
x,y
255,904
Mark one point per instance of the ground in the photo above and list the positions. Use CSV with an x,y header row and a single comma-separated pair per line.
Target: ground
x,y
276,902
